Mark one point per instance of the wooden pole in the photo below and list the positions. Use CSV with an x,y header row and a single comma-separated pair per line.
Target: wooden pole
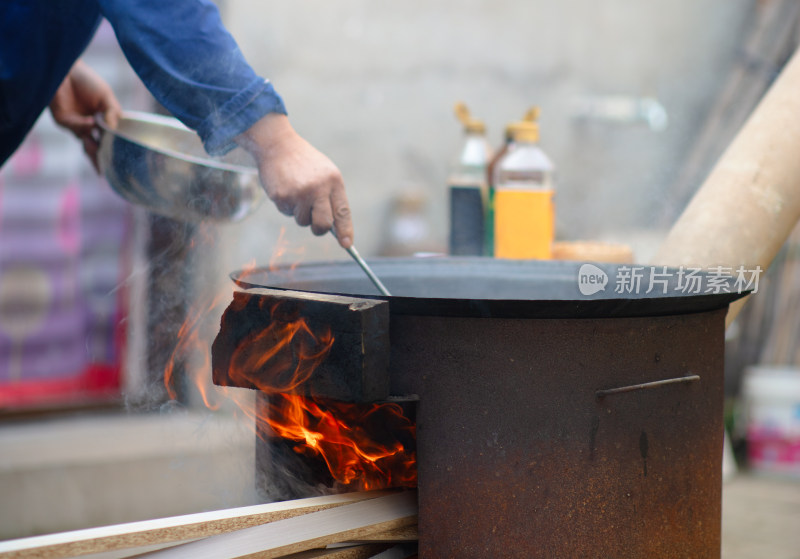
x,y
749,204
770,40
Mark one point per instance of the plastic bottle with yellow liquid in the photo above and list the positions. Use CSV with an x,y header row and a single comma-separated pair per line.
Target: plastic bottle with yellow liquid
x,y
530,116
468,189
524,208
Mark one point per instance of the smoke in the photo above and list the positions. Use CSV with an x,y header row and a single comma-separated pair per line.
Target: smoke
x,y
284,474
178,289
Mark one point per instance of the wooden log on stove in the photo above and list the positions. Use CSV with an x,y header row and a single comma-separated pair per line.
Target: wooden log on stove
x,y
252,336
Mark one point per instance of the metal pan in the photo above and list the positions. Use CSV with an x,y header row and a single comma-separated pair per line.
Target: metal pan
x,y
484,287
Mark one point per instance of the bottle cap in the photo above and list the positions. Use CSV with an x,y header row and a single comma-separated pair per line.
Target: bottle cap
x,y
525,130
470,124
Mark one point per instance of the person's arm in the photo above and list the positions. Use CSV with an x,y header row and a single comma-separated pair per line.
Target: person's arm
x,y
81,96
194,68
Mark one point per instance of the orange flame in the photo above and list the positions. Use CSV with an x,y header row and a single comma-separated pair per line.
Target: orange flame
x,y
190,344
266,357
364,446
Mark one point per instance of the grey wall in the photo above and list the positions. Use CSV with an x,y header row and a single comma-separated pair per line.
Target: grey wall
x,y
372,84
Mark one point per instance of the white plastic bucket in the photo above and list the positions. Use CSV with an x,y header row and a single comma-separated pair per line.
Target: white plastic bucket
x,y
772,407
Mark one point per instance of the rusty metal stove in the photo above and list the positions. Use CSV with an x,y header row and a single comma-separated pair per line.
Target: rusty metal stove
x,y
549,423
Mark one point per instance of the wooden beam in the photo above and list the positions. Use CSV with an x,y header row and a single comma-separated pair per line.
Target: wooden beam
x,y
749,204
310,531
172,529
762,52
354,369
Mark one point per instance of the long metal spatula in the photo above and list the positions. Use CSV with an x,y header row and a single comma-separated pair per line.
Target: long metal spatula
x,y
367,270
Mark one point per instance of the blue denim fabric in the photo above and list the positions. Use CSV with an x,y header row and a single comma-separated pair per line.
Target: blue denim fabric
x,y
179,48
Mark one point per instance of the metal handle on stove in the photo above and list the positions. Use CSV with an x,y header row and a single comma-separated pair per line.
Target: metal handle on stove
x,y
600,394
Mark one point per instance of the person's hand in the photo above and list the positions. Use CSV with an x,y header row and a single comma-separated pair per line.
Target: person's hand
x,y
79,98
301,181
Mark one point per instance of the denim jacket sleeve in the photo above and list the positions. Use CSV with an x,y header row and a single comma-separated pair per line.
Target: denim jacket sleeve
x,y
192,66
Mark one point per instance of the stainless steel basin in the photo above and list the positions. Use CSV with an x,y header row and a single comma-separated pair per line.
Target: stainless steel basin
x,y
156,162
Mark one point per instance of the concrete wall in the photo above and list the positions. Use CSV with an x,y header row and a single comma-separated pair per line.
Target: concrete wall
x,y
82,472
372,83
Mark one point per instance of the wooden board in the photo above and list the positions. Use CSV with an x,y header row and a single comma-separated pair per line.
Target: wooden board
x,y
132,552
172,529
348,552
400,535
310,531
354,369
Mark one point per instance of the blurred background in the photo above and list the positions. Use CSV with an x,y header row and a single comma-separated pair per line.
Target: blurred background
x,y
637,100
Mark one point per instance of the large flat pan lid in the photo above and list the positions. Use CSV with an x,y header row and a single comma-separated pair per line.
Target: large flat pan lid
x,y
487,287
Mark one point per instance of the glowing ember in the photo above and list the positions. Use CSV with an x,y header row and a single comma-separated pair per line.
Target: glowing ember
x,y
364,446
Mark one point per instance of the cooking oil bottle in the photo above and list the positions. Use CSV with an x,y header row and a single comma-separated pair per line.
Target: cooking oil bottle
x,y
530,116
468,188
524,209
